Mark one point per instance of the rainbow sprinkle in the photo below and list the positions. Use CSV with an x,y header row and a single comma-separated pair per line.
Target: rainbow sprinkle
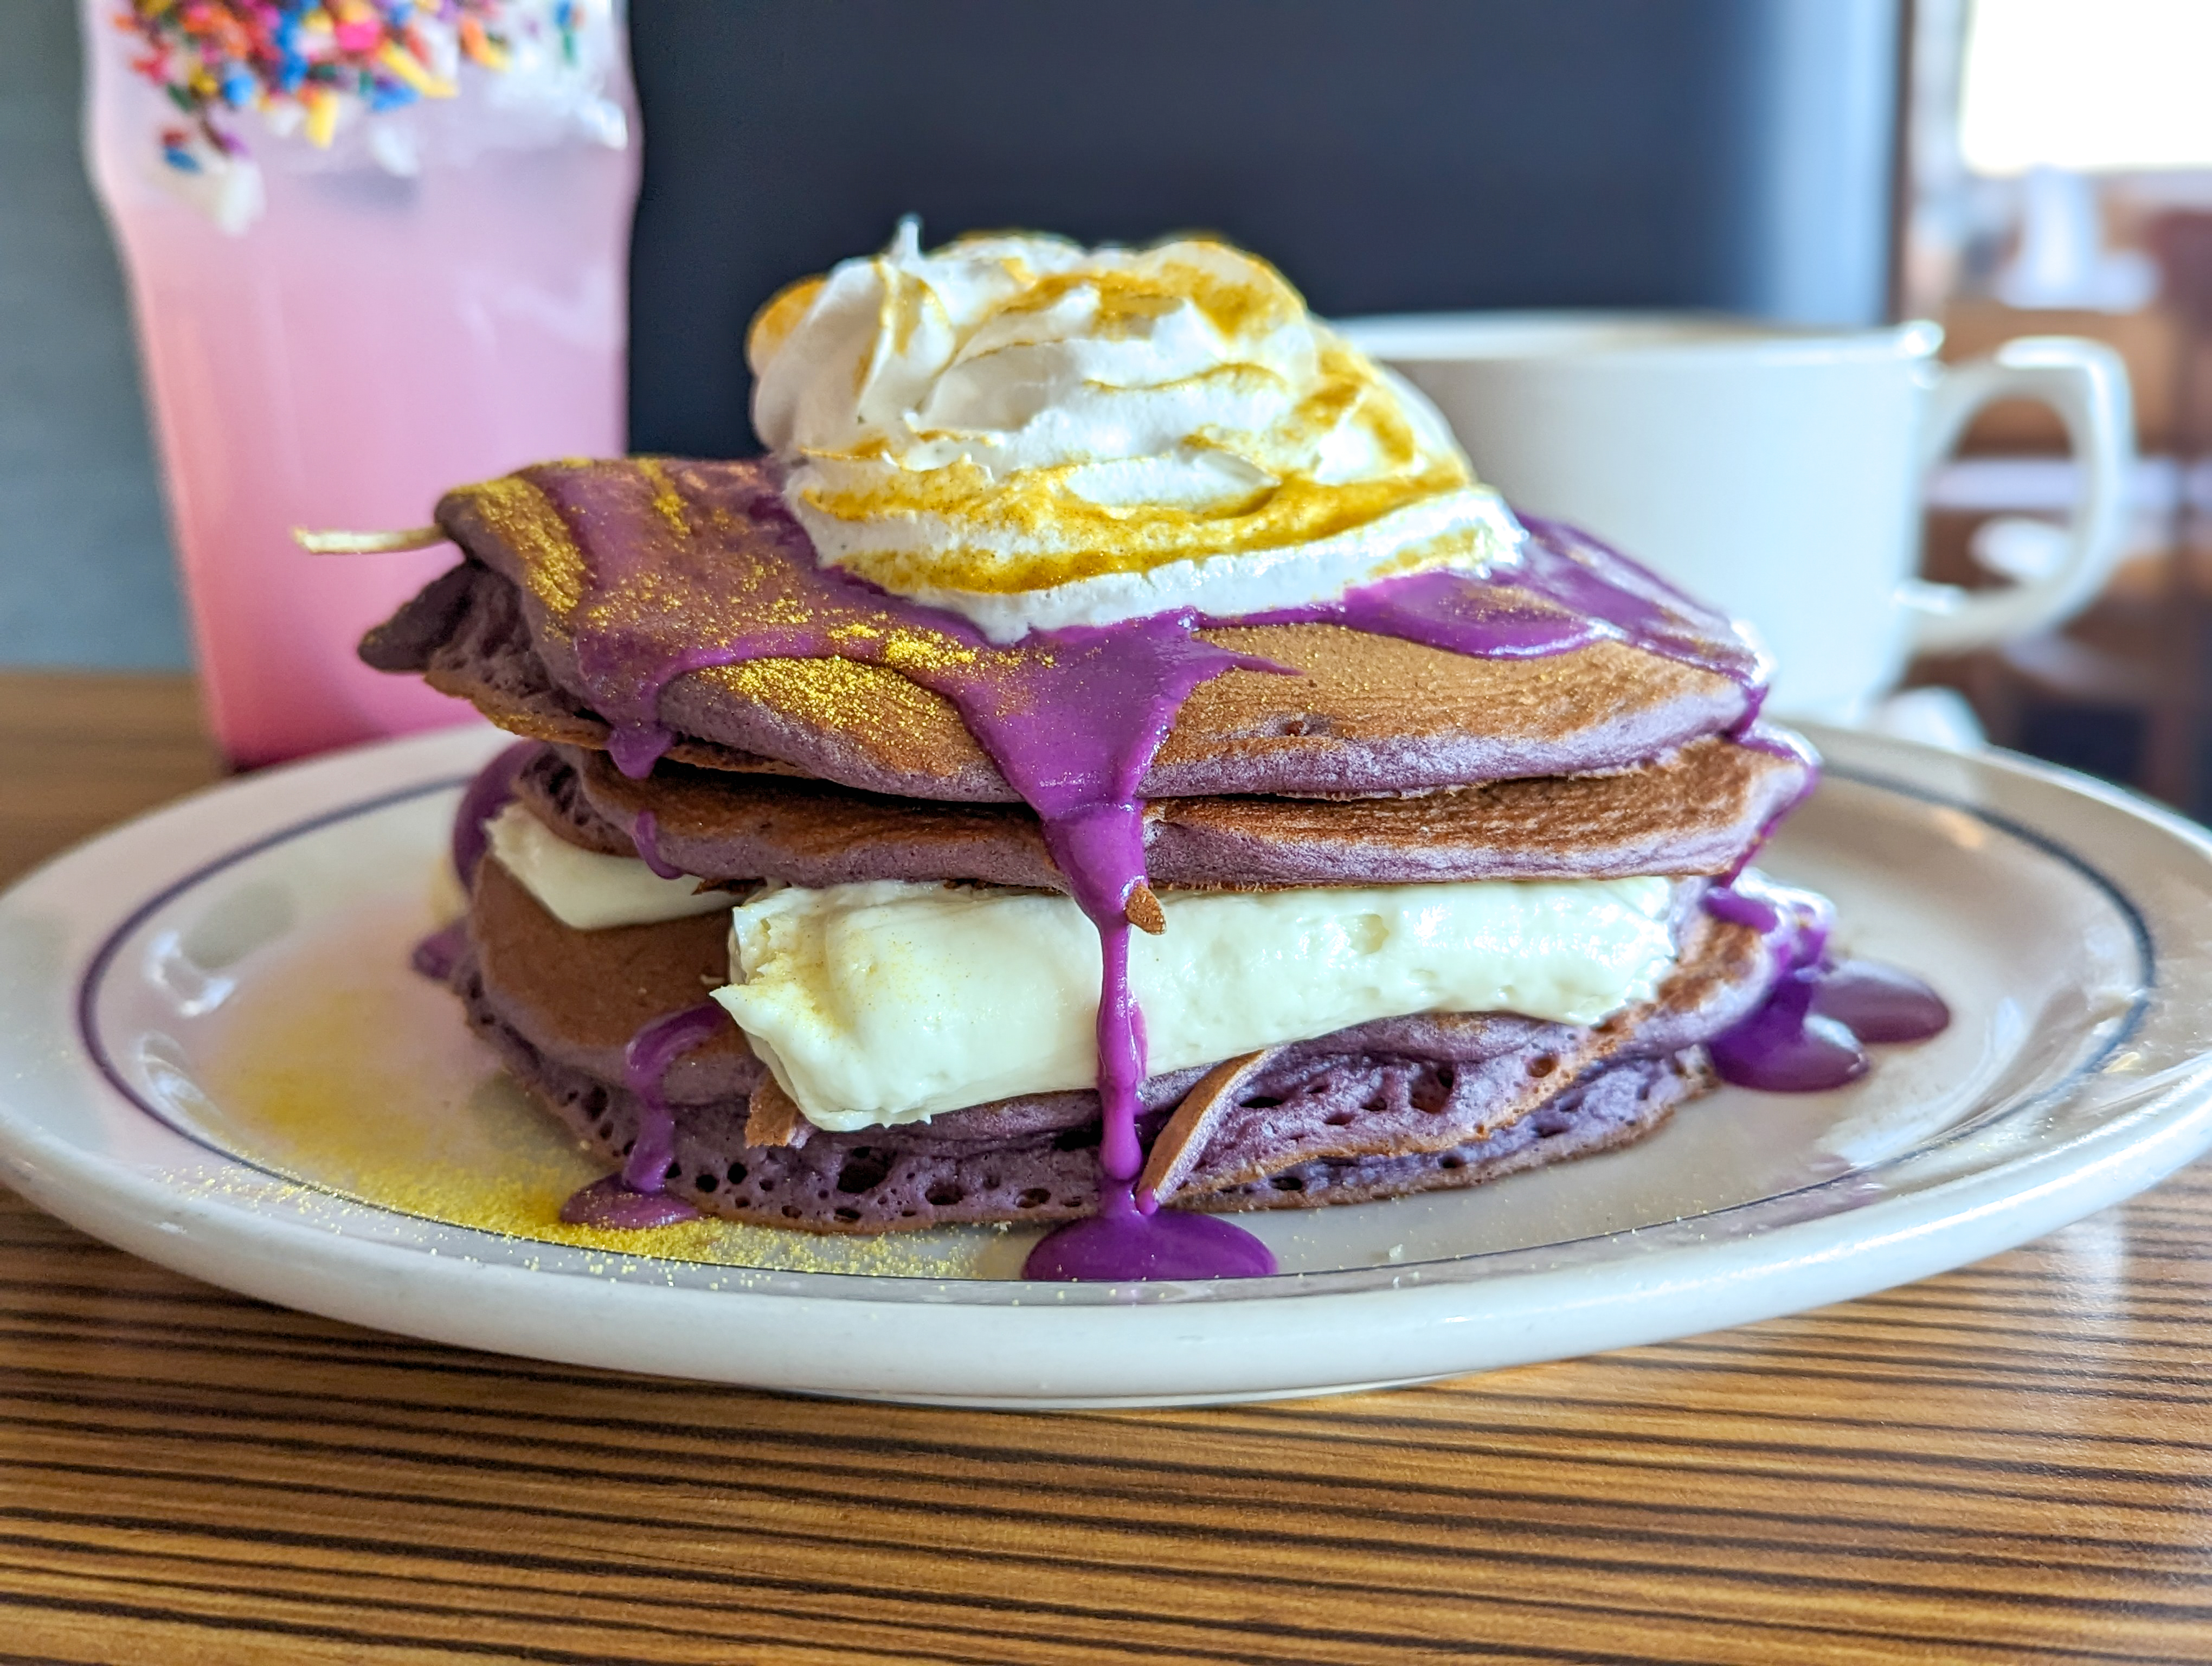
x,y
308,65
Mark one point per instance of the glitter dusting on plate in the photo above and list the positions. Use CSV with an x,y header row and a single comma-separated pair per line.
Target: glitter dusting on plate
x,y
333,1066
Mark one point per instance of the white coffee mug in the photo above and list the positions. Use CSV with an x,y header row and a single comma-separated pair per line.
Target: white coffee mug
x,y
1778,473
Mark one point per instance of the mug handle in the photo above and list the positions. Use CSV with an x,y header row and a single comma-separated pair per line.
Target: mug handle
x,y
2086,382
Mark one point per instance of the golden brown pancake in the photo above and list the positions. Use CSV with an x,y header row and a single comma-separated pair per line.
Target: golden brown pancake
x,y
1699,811
1359,713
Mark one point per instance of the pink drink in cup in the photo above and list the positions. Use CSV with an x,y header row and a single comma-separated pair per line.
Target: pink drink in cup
x,y
365,342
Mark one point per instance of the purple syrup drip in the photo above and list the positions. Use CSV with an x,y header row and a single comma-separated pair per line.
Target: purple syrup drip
x,y
636,747
646,1062
1119,1245
611,1202
436,955
1783,1047
645,836
1570,568
1564,590
1795,923
491,792
1879,1003
1805,1036
1093,708
1448,610
1565,565
1071,719
1740,909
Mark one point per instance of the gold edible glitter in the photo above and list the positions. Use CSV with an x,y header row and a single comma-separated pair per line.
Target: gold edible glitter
x,y
517,514
337,1068
667,501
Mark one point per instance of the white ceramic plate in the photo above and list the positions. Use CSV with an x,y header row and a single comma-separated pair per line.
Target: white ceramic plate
x,y
212,1054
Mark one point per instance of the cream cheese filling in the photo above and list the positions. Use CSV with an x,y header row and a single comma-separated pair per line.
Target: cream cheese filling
x,y
888,1002
891,1001
586,891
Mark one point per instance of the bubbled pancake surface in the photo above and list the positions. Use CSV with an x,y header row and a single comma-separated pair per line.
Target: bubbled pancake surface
x,y
899,1180
1360,713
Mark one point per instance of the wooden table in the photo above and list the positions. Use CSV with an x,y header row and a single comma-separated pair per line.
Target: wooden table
x,y
2009,1463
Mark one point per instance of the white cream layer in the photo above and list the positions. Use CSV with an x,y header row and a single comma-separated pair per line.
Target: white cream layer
x,y
890,1002
585,891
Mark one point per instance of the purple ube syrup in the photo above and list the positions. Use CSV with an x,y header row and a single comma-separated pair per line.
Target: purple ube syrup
x,y
490,792
1879,1003
1071,718
645,835
1122,1243
436,955
645,1073
609,1202
638,1197
1567,591
1806,1035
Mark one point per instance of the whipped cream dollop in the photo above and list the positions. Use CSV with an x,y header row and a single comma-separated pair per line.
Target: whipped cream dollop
x,y
1037,434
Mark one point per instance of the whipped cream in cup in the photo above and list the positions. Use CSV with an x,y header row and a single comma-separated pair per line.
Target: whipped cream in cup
x,y
1034,434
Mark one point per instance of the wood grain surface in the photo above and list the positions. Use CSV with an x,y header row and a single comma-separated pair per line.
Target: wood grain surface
x,y
2009,1463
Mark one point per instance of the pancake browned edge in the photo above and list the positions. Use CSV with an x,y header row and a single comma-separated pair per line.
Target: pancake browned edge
x,y
1382,762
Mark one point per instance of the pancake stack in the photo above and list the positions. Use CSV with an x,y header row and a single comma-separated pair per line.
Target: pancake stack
x,y
1360,760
